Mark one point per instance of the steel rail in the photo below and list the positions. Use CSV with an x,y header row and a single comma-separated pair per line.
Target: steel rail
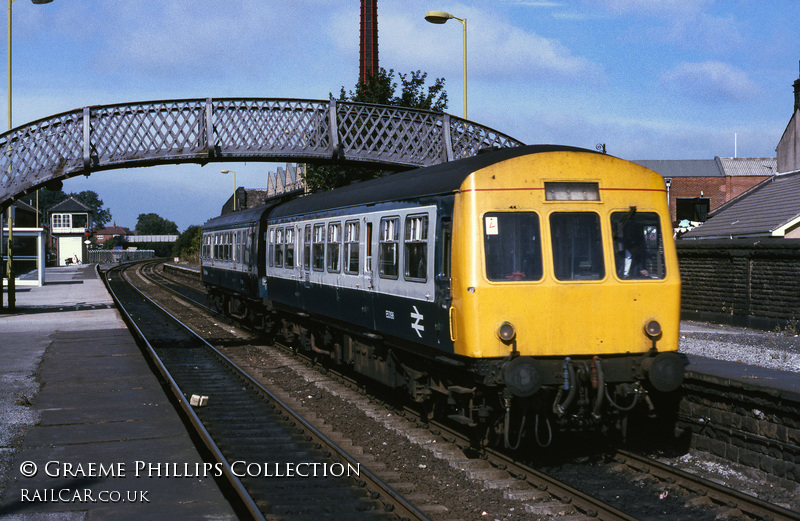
x,y
718,494
393,501
247,501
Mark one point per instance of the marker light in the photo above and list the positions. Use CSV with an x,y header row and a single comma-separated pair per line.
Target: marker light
x,y
652,329
506,332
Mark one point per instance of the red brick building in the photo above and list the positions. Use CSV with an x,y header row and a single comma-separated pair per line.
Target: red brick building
x,y
697,187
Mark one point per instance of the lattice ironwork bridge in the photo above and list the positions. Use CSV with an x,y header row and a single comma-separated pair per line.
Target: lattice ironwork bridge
x,y
200,131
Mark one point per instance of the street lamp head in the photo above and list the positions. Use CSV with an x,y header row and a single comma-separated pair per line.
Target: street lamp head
x,y
227,171
438,17
41,1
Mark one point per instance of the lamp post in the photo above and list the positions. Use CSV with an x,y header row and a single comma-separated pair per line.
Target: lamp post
x,y
234,185
440,17
12,299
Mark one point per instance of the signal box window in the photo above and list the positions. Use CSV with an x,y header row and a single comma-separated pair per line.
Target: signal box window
x,y
334,241
389,238
577,246
351,247
638,246
415,257
512,245
318,247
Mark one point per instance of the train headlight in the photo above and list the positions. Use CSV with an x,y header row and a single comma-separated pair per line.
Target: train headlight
x,y
506,332
652,329
522,376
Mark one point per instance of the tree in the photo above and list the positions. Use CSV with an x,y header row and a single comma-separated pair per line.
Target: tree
x,y
378,88
188,244
153,224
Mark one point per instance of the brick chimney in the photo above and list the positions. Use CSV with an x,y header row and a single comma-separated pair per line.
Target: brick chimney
x,y
368,62
797,94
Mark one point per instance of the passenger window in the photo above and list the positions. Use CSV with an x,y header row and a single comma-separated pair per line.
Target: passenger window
x,y
318,247
513,246
334,240
638,246
279,248
577,246
271,242
351,230
389,260
368,242
289,252
307,248
415,248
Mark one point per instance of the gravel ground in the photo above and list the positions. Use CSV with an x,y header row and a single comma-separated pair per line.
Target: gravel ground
x,y
775,350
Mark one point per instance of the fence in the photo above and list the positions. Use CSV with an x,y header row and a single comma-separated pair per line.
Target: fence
x,y
116,256
745,282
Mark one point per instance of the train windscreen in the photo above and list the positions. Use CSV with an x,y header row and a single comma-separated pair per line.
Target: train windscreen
x,y
512,244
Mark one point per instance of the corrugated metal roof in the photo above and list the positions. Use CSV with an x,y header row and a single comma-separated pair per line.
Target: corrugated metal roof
x,y
749,166
683,167
757,213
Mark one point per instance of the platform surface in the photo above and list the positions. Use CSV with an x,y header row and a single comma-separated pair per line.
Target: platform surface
x,y
82,413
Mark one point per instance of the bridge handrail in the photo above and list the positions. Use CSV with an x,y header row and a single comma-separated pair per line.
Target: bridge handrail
x,y
197,130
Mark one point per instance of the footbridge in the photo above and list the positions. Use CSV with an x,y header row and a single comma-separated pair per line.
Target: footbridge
x,y
200,131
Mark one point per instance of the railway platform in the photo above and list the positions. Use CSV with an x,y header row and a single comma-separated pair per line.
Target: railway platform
x,y
86,430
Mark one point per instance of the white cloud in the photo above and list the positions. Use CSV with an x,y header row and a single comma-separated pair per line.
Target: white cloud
x,y
712,80
684,23
496,48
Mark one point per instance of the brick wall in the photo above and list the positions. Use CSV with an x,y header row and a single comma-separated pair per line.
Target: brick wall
x,y
718,190
754,283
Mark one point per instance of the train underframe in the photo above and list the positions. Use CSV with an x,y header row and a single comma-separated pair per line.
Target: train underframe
x,y
512,402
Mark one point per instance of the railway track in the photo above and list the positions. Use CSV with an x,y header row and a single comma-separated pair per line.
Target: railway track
x,y
273,460
544,496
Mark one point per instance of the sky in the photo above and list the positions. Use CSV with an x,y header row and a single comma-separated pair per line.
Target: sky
x,y
651,79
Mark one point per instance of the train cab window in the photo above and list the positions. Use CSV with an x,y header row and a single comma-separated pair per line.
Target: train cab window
x,y
389,261
513,246
307,247
279,248
289,248
318,248
577,246
334,246
351,230
638,246
415,248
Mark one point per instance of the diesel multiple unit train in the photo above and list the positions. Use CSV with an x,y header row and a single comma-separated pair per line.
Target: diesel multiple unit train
x,y
523,291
